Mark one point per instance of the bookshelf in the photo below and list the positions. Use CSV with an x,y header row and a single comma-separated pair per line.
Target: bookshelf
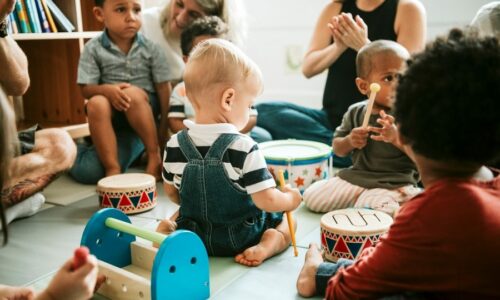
x,y
54,98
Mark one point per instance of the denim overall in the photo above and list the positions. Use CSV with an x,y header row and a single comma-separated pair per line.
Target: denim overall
x,y
222,214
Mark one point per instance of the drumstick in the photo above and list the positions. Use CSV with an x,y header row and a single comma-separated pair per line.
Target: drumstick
x,y
80,257
374,88
289,218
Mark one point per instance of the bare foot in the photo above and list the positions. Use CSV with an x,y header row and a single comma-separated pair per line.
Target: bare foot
x,y
271,243
306,283
166,227
154,166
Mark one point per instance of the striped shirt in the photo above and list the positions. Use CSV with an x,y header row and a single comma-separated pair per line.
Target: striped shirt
x,y
103,62
181,107
244,163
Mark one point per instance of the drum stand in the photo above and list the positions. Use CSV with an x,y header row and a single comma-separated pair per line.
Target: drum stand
x,y
177,270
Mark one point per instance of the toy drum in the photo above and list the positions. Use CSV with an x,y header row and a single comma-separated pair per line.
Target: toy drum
x,y
131,193
345,233
303,162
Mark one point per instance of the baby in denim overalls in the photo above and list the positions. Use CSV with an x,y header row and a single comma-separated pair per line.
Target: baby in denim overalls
x,y
217,175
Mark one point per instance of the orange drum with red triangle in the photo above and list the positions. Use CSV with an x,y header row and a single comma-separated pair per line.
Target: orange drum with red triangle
x,y
131,193
345,233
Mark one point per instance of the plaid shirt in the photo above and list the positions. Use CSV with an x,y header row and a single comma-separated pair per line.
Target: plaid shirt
x,y
103,62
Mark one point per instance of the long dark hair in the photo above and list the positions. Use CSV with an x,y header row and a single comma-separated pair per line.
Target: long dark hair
x,y
8,148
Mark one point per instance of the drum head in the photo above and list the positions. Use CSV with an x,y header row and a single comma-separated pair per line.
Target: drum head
x,y
294,150
356,221
127,181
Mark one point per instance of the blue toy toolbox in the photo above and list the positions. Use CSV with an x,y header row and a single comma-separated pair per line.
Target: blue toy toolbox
x,y
177,270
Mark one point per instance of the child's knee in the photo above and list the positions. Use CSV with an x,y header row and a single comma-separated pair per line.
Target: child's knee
x,y
97,106
137,95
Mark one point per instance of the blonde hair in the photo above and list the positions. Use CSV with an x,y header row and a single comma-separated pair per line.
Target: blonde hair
x,y
232,12
217,62
8,149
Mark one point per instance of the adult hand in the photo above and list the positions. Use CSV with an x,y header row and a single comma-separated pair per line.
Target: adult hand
x,y
16,293
358,137
79,284
388,132
118,98
335,31
354,32
6,7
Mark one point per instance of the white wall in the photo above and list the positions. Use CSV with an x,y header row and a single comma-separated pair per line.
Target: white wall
x,y
280,30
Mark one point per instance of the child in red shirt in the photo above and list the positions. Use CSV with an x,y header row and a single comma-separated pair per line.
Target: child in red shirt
x,y
445,242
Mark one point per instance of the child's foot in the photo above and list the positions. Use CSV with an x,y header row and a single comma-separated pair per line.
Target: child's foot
x,y
271,243
154,166
306,283
166,227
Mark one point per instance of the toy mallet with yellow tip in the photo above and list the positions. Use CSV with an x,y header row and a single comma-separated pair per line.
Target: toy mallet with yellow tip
x,y
374,88
289,218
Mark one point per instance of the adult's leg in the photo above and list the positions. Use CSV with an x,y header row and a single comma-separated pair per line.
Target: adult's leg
x,y
260,135
140,117
54,152
284,120
99,114
88,169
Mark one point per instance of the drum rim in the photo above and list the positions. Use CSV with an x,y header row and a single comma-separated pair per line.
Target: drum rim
x,y
354,232
326,150
146,177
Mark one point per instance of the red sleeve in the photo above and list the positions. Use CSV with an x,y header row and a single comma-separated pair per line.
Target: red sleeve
x,y
399,262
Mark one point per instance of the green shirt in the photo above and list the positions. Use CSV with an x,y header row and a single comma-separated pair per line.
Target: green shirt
x,y
378,164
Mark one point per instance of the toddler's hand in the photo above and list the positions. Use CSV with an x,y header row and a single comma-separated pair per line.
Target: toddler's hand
x,y
358,137
118,98
294,195
77,284
16,293
388,132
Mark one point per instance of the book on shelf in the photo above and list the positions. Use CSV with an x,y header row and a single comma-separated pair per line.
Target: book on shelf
x,y
32,17
13,24
21,16
59,17
48,14
41,16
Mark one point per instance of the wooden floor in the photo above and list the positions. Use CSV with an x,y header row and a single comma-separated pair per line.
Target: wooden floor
x,y
54,232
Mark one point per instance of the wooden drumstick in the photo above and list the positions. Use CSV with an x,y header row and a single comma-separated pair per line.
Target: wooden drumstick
x,y
80,257
289,218
374,88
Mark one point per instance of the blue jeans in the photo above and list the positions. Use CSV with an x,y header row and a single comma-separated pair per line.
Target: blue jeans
x,y
222,214
284,120
260,135
88,169
326,271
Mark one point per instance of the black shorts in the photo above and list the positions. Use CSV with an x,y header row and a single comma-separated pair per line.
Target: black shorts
x,y
27,139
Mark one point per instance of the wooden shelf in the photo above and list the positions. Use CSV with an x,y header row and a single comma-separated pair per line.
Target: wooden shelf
x,y
53,98
56,36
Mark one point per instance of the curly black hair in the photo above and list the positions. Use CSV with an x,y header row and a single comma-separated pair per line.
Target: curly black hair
x,y
448,101
209,25
99,2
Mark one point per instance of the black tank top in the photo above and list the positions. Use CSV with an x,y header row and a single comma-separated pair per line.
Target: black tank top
x,y
340,89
